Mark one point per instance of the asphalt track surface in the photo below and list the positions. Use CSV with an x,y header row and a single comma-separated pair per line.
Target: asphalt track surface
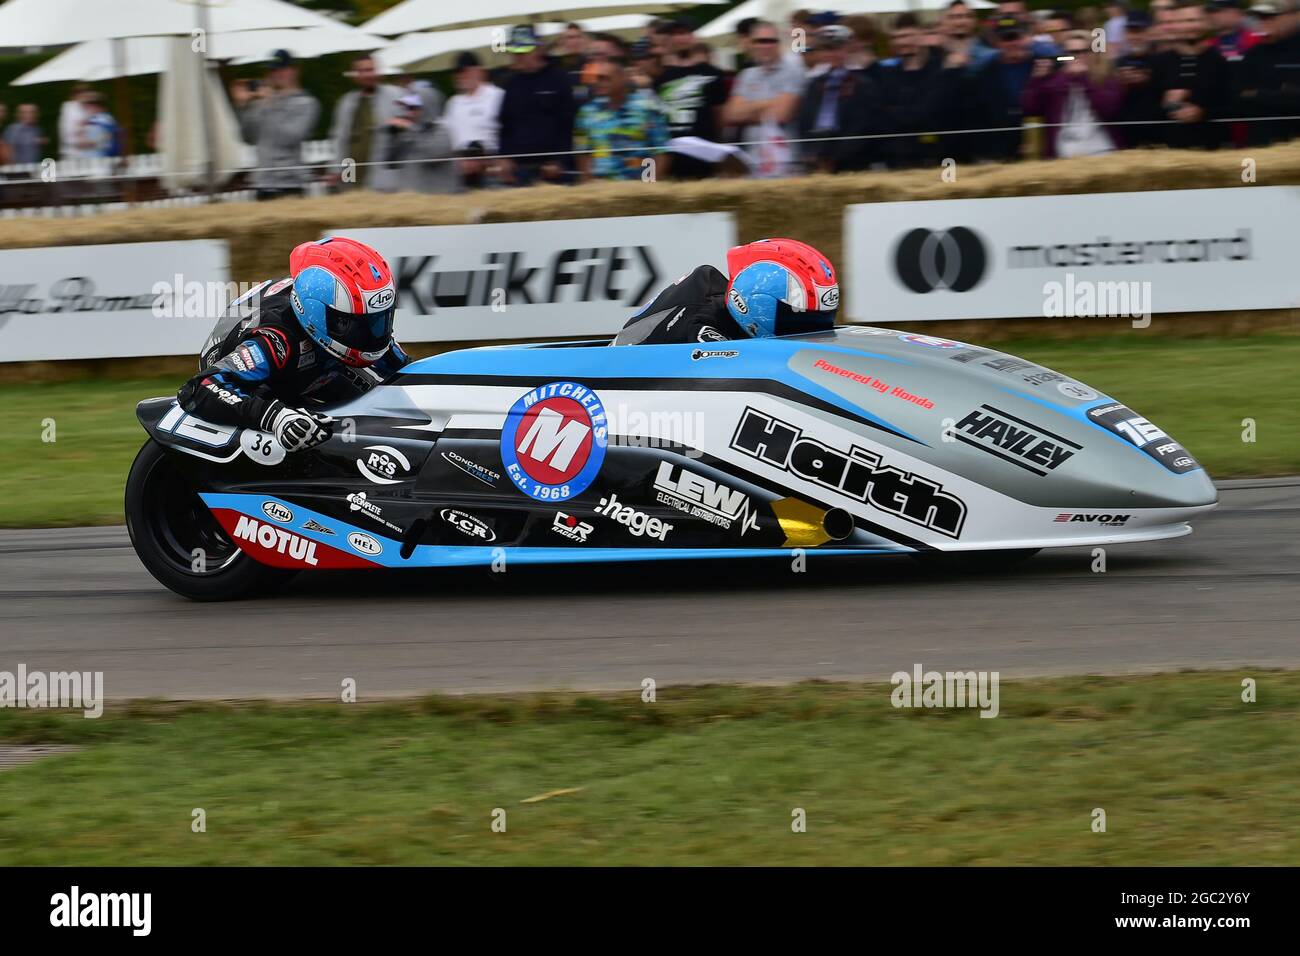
x,y
1225,596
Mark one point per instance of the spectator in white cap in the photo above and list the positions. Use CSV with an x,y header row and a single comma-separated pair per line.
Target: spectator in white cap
x,y
417,149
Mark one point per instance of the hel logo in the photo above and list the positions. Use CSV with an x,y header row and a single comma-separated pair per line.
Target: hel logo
x,y
857,473
704,498
276,539
364,543
277,512
553,441
998,432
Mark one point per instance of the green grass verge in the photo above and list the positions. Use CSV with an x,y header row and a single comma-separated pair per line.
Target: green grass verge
x,y
1186,772
1199,389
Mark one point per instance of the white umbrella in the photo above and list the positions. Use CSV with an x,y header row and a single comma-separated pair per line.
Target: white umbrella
x,y
426,52
778,10
95,60
412,15
187,148
59,22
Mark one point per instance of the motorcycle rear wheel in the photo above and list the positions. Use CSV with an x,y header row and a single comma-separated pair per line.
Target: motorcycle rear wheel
x,y
179,541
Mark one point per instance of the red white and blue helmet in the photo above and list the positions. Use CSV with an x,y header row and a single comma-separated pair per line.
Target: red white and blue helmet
x,y
344,298
781,287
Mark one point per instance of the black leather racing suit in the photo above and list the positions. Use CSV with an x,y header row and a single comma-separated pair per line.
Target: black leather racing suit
x,y
692,309
269,357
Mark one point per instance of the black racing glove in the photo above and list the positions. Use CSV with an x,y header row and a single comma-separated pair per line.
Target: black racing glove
x,y
295,428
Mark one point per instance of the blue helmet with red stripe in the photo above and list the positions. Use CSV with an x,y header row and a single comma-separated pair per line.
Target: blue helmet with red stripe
x,y
781,287
344,298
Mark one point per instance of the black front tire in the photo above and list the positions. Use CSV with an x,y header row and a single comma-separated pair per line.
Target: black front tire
x,y
170,527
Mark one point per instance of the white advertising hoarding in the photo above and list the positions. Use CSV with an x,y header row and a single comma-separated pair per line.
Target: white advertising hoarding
x,y
519,280
110,301
1128,254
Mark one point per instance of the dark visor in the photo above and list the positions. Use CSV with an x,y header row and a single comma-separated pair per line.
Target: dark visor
x,y
365,332
790,322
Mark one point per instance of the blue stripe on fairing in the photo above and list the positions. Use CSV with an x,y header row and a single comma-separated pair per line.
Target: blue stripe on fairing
x,y
443,555
1080,413
760,358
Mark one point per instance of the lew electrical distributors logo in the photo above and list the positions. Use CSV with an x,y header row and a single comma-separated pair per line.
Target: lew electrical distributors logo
x,y
955,259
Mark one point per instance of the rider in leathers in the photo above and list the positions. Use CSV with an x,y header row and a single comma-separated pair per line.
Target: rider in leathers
x,y
321,336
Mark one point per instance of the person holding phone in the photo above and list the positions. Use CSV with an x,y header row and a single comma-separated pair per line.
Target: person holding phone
x,y
1075,94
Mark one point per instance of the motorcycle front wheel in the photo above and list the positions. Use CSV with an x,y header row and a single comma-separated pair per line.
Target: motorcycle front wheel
x,y
179,541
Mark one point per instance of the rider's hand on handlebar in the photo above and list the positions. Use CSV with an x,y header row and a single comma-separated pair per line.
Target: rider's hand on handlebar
x,y
297,429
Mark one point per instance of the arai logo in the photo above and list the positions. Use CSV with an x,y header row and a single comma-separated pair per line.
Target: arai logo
x,y
738,301
277,512
380,300
830,299
364,543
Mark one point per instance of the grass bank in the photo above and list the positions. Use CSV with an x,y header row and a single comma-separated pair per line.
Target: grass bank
x,y
1186,773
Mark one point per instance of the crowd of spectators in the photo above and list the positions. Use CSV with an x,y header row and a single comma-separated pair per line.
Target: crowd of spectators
x,y
826,93
819,93
86,130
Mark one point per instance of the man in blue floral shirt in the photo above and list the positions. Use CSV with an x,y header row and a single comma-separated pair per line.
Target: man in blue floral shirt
x,y
621,126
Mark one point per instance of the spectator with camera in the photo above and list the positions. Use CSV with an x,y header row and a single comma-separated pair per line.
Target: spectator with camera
x,y
472,119
277,115
1074,98
417,148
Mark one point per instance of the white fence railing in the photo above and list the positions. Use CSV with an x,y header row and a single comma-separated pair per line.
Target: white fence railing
x,y
145,165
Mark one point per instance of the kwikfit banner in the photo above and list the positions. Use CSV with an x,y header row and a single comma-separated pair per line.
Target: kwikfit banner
x,y
573,277
127,299
1109,254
